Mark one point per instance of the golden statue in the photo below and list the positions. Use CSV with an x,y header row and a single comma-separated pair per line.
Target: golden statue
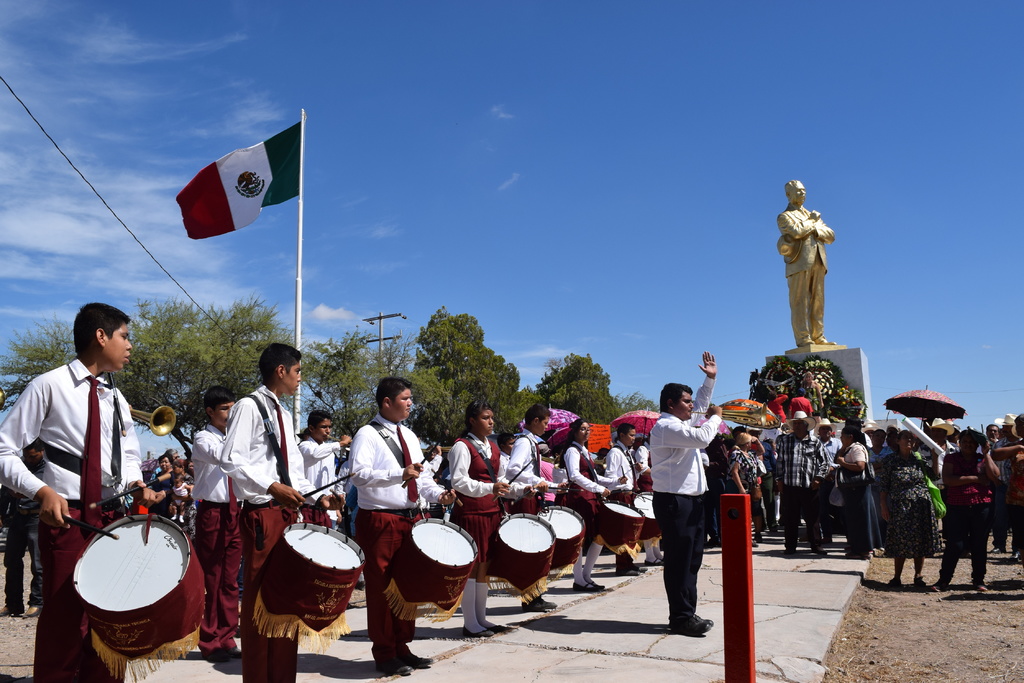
x,y
802,245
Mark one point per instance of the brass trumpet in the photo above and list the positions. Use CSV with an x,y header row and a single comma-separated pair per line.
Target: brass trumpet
x,y
161,421
751,413
3,399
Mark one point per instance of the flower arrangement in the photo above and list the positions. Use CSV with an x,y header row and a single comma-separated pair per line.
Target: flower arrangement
x,y
839,401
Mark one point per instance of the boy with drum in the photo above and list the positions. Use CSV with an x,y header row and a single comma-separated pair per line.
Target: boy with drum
x,y
267,473
218,541
92,453
388,472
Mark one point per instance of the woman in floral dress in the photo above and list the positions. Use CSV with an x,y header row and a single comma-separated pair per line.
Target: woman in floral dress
x,y
907,507
744,477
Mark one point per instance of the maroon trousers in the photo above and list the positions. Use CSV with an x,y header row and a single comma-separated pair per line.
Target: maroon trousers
x,y
219,549
63,642
272,660
623,561
380,535
316,515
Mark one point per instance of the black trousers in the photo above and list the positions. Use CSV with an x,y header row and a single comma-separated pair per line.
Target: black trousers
x,y
681,519
22,535
966,527
797,500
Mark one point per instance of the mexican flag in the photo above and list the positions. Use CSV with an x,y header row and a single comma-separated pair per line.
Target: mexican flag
x,y
229,193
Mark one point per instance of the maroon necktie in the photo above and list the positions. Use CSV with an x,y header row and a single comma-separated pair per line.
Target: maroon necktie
x,y
92,472
413,492
285,476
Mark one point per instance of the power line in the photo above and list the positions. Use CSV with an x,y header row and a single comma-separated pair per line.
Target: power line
x,y
112,212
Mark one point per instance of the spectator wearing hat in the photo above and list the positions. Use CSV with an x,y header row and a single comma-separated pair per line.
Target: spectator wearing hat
x,y
940,431
1011,449
764,449
745,478
830,515
878,451
800,469
968,475
858,508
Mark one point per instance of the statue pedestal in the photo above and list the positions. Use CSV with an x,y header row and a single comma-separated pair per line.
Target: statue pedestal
x,y
852,362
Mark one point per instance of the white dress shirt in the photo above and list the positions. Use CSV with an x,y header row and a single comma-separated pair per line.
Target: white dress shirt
x,y
642,457
618,463
459,461
318,459
675,456
377,473
248,456
55,408
572,469
211,484
524,452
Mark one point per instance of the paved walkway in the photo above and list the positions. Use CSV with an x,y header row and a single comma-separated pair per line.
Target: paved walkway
x,y
799,603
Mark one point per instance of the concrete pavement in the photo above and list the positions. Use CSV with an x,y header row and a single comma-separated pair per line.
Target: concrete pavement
x,y
799,603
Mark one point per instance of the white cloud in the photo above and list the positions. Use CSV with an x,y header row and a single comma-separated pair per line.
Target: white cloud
x,y
109,43
509,183
544,351
498,112
383,230
325,312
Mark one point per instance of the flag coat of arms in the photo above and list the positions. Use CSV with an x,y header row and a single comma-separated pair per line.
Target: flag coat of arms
x,y
229,193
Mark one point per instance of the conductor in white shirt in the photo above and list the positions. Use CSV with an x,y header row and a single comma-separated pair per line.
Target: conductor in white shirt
x,y
679,487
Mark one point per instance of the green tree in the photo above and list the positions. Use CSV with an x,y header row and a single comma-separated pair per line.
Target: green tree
x,y
179,353
453,367
342,377
578,384
47,346
627,403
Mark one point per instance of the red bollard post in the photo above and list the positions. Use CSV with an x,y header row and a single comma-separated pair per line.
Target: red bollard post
x,y
737,588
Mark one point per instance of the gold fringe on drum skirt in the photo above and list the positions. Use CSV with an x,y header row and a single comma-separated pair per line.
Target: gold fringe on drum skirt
x,y
122,666
525,595
403,609
290,626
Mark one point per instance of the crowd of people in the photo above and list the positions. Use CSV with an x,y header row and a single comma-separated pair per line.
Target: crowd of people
x,y
250,477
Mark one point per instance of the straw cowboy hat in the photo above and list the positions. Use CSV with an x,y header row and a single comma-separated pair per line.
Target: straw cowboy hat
x,y
801,415
939,423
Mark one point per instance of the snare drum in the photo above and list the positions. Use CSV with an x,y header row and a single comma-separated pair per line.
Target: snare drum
x,y
521,558
569,534
619,527
307,582
644,502
430,570
143,593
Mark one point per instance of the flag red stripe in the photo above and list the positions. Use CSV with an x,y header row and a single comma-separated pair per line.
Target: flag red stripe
x,y
204,208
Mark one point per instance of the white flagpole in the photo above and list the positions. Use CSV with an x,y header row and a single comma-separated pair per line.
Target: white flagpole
x,y
297,405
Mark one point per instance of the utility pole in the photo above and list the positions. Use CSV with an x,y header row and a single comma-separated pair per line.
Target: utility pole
x,y
379,319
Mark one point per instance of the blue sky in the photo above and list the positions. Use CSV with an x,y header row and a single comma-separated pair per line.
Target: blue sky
x,y
587,177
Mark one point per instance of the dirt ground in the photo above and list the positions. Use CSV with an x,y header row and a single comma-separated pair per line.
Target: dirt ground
x,y
914,635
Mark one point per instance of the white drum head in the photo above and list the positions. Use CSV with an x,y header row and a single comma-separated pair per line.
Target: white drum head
x,y
644,502
526,533
125,574
443,543
323,546
623,510
566,524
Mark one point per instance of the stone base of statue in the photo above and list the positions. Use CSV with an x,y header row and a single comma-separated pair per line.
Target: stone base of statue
x,y
852,362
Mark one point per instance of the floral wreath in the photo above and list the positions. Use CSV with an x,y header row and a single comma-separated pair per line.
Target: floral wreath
x,y
839,401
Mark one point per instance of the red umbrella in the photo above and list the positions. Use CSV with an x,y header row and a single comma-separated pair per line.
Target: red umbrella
x,y
925,404
643,420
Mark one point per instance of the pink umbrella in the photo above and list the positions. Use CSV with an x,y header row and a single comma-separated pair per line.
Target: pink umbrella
x,y
643,420
925,404
559,418
722,427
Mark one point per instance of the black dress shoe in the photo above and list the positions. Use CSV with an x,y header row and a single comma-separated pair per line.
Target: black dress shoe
x,y
655,563
694,627
819,550
466,633
416,662
394,667
498,628
627,572
235,652
539,604
218,656
587,588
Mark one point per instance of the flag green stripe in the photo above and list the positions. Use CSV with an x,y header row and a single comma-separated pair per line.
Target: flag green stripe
x,y
283,153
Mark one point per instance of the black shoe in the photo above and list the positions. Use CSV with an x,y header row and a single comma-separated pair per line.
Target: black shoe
x,y
895,583
1015,555
498,628
789,551
416,662
627,572
589,588
394,667
218,657
713,544
656,563
466,633
694,627
998,550
819,551
539,604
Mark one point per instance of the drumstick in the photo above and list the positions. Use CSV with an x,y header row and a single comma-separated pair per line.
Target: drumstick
x,y
162,477
89,527
326,486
